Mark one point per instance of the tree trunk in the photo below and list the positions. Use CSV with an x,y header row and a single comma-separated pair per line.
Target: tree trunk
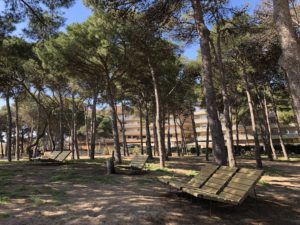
x,y
290,46
74,127
209,90
265,134
86,129
159,119
228,122
141,129
124,132
278,127
51,137
148,135
183,144
76,140
163,128
2,149
246,134
265,137
9,127
195,132
93,126
155,135
269,127
72,143
253,123
237,129
207,141
176,134
169,152
36,143
22,141
38,129
17,130
115,132
61,128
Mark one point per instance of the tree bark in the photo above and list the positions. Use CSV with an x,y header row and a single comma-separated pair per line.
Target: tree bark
x,y
269,127
176,134
155,134
228,122
74,127
114,121
2,149
278,126
141,129
195,131
126,152
169,152
207,142
9,127
17,153
183,144
93,125
158,119
86,129
237,129
148,135
253,123
61,128
22,141
209,90
290,46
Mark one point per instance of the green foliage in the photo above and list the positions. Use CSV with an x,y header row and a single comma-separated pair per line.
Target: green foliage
x,y
4,215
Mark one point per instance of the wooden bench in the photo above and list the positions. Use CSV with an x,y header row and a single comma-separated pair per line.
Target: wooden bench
x,y
48,156
54,157
223,184
206,172
137,163
231,188
62,156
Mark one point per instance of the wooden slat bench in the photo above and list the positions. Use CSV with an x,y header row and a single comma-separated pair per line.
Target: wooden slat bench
x,y
206,172
232,188
137,163
222,184
48,156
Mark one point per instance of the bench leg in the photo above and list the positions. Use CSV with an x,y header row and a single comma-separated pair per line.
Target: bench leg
x,y
210,207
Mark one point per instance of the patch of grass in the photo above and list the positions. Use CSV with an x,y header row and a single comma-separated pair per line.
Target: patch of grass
x,y
106,179
6,176
88,161
148,180
56,196
36,200
4,199
156,167
271,171
7,196
4,215
66,176
264,183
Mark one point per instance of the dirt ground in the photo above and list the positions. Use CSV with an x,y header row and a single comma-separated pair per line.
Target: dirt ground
x,y
81,193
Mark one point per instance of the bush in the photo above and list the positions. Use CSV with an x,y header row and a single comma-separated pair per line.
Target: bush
x,y
192,150
291,149
203,150
136,150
